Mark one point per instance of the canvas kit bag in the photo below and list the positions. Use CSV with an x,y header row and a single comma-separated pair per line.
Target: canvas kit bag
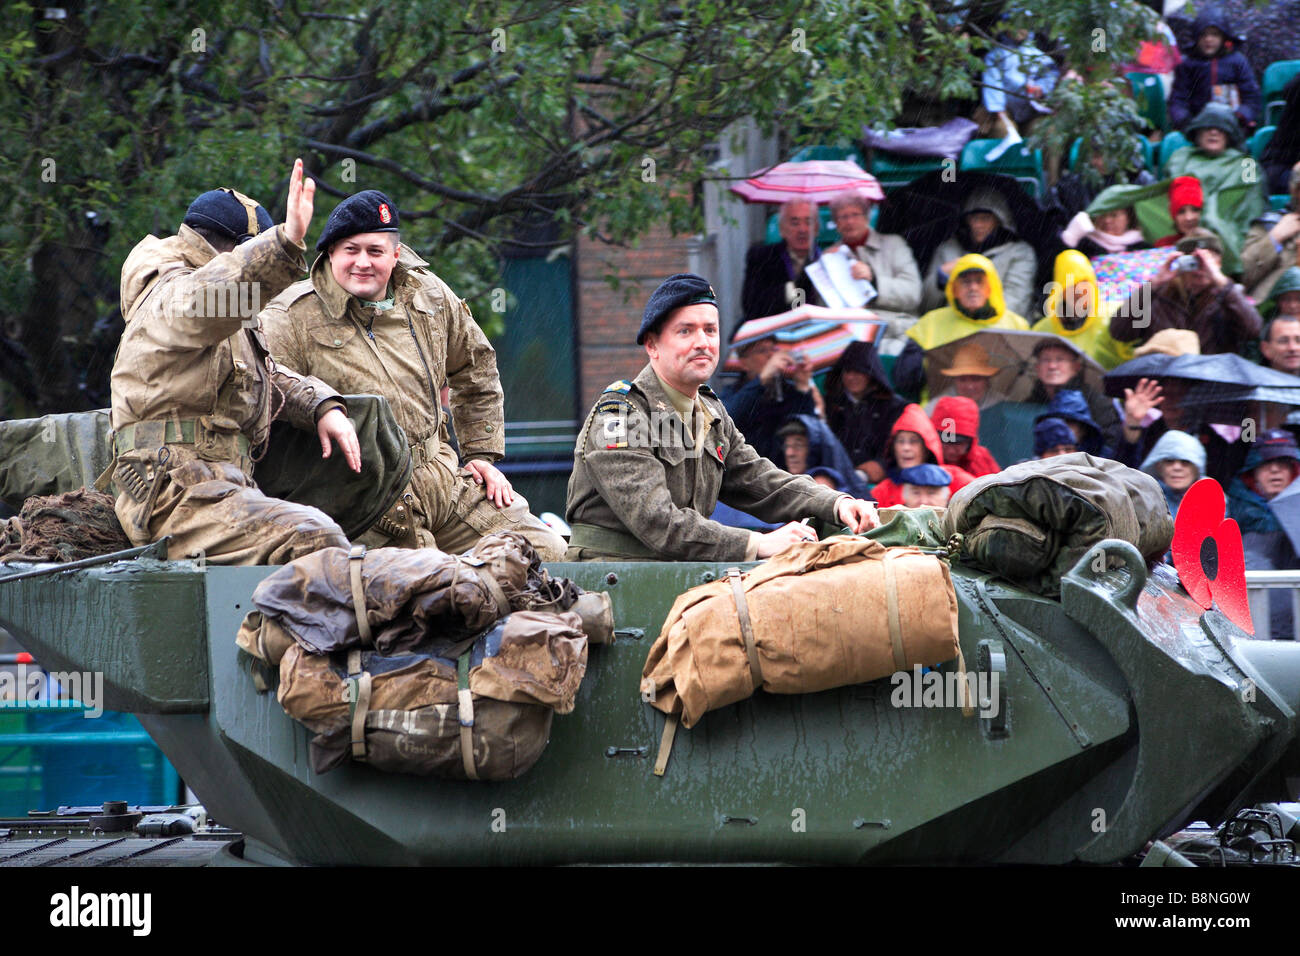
x,y
823,614
418,661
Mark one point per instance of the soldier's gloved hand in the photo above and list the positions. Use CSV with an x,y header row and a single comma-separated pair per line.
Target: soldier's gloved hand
x,y
784,538
495,485
857,514
334,426
297,216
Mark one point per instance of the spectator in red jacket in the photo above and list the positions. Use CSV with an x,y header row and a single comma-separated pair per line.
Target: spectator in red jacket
x,y
913,441
957,420
1186,200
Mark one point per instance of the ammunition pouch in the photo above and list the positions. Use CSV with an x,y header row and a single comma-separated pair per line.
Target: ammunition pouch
x,y
398,522
218,438
133,478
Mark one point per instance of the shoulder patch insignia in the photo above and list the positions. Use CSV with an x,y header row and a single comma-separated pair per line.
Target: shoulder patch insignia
x,y
611,405
620,386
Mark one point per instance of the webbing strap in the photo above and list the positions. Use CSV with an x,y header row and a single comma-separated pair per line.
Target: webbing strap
x,y
465,711
355,557
666,745
746,628
895,624
359,692
967,705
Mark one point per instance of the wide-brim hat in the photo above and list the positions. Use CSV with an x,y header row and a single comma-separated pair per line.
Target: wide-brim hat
x,y
970,359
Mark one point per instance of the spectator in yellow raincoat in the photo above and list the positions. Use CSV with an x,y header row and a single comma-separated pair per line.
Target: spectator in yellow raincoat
x,y
1075,311
975,303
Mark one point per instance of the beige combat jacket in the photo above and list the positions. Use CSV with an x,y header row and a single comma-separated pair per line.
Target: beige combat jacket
x,y
405,355
633,474
191,350
1262,264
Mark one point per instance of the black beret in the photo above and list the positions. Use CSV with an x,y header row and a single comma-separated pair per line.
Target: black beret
x,y
368,211
682,289
220,211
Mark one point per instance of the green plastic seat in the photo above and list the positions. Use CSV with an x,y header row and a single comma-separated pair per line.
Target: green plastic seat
x,y
1259,141
1169,145
1149,93
1021,163
1276,76
894,170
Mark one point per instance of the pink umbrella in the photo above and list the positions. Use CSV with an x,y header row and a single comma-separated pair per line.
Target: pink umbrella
x,y
815,180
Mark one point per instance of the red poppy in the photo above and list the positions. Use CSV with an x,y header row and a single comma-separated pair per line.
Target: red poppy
x,y
1208,554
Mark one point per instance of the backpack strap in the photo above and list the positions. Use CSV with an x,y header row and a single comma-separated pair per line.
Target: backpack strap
x,y
465,711
355,559
359,700
746,627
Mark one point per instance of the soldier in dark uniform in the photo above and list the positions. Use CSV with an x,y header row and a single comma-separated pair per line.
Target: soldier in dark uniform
x,y
656,454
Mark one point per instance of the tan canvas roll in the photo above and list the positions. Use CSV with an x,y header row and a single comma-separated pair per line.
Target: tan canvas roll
x,y
821,617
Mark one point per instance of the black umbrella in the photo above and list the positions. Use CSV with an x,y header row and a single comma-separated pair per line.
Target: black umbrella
x,y
1235,378
927,211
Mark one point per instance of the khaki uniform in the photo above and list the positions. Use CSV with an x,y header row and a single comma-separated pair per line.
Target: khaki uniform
x,y
405,354
642,488
194,392
1261,262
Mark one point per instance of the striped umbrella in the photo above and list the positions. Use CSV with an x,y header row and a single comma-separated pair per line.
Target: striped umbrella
x,y
816,180
822,334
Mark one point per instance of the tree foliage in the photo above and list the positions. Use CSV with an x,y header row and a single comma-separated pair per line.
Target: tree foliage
x,y
494,124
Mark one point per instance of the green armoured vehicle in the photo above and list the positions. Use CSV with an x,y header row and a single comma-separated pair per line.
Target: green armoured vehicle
x,y
1122,711
1114,716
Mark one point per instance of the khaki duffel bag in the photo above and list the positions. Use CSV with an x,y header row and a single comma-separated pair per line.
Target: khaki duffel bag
x,y
823,614
485,716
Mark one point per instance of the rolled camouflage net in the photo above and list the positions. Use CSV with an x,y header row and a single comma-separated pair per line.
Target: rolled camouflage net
x,y
64,527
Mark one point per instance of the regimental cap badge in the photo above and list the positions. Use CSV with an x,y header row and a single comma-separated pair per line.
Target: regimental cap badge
x,y
385,216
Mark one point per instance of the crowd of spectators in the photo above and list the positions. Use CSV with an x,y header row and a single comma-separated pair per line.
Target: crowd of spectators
x,y
948,391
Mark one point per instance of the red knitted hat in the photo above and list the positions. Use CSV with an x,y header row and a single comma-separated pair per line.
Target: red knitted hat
x,y
1185,191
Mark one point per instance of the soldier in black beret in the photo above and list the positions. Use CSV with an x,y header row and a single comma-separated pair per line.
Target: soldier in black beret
x,y
373,318
657,454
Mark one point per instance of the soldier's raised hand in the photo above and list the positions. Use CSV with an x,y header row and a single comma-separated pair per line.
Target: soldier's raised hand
x,y
335,427
297,216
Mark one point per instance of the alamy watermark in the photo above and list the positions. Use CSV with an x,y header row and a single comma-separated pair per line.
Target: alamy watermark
x,y
950,689
27,687
662,429
217,300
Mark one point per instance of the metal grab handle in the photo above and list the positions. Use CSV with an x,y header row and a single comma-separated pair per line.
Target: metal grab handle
x,y
1086,570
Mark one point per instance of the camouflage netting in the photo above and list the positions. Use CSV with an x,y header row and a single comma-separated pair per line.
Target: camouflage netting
x,y
67,527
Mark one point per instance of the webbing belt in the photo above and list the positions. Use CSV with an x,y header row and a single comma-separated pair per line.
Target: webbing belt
x,y
424,451
151,434
608,541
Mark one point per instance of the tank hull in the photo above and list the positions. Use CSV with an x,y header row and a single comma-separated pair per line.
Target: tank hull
x,y
1121,711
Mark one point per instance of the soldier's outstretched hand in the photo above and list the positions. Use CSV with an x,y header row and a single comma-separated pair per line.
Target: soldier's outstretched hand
x,y
857,514
496,486
297,216
784,538
335,427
